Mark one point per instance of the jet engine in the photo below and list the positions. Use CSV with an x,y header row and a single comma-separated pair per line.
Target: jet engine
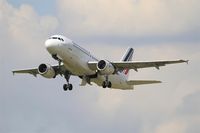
x,y
46,71
105,67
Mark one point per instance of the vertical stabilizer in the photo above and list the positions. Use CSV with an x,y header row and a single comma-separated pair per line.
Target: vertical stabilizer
x,y
127,57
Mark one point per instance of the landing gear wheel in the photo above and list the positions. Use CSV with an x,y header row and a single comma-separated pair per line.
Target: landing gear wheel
x,y
104,84
109,84
70,87
65,87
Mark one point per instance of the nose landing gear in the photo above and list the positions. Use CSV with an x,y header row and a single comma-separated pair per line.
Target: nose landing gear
x,y
67,86
54,56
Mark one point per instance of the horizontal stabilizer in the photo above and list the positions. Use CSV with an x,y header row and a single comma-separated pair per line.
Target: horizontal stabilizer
x,y
142,82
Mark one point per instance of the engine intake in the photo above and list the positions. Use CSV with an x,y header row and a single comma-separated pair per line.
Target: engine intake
x,y
46,71
105,67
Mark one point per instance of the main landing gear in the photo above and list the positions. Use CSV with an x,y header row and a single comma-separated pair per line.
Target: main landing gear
x,y
106,83
67,86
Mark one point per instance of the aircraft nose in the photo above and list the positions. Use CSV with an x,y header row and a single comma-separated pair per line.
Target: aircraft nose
x,y
51,45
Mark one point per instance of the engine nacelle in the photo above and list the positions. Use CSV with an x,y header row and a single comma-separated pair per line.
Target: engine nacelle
x,y
46,71
105,67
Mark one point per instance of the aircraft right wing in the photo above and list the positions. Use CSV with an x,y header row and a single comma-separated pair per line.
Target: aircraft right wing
x,y
137,65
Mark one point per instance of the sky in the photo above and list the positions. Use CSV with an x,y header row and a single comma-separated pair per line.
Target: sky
x,y
156,29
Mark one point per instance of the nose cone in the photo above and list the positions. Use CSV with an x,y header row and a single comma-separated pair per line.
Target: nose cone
x,y
51,46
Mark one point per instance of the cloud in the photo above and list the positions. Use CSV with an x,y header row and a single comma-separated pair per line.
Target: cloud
x,y
23,28
156,104
187,107
173,127
39,105
185,118
129,17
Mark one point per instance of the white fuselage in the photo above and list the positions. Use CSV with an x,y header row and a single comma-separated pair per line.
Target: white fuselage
x,y
76,58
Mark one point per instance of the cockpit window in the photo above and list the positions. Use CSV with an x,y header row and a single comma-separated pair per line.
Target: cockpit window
x,y
57,38
60,39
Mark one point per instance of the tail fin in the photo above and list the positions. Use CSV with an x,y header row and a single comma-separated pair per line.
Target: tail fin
x,y
127,57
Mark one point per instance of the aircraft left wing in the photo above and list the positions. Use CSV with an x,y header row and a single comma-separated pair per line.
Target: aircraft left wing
x,y
120,65
34,71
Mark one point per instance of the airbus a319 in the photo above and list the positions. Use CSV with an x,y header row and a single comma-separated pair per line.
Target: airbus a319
x,y
74,60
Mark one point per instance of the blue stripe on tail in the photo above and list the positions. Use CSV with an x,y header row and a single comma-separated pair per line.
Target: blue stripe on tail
x,y
128,55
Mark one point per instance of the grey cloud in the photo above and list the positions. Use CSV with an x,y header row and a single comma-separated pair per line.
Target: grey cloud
x,y
186,117
189,111
190,105
183,38
128,18
24,27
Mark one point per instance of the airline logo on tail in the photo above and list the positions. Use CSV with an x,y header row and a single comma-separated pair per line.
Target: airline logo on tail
x,y
127,57
125,71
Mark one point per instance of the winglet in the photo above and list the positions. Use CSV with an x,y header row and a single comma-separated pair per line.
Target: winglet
x,y
186,61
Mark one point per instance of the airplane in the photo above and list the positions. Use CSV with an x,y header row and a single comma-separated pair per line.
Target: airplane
x,y
74,60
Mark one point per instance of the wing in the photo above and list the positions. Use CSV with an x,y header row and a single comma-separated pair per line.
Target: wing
x,y
34,71
137,65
